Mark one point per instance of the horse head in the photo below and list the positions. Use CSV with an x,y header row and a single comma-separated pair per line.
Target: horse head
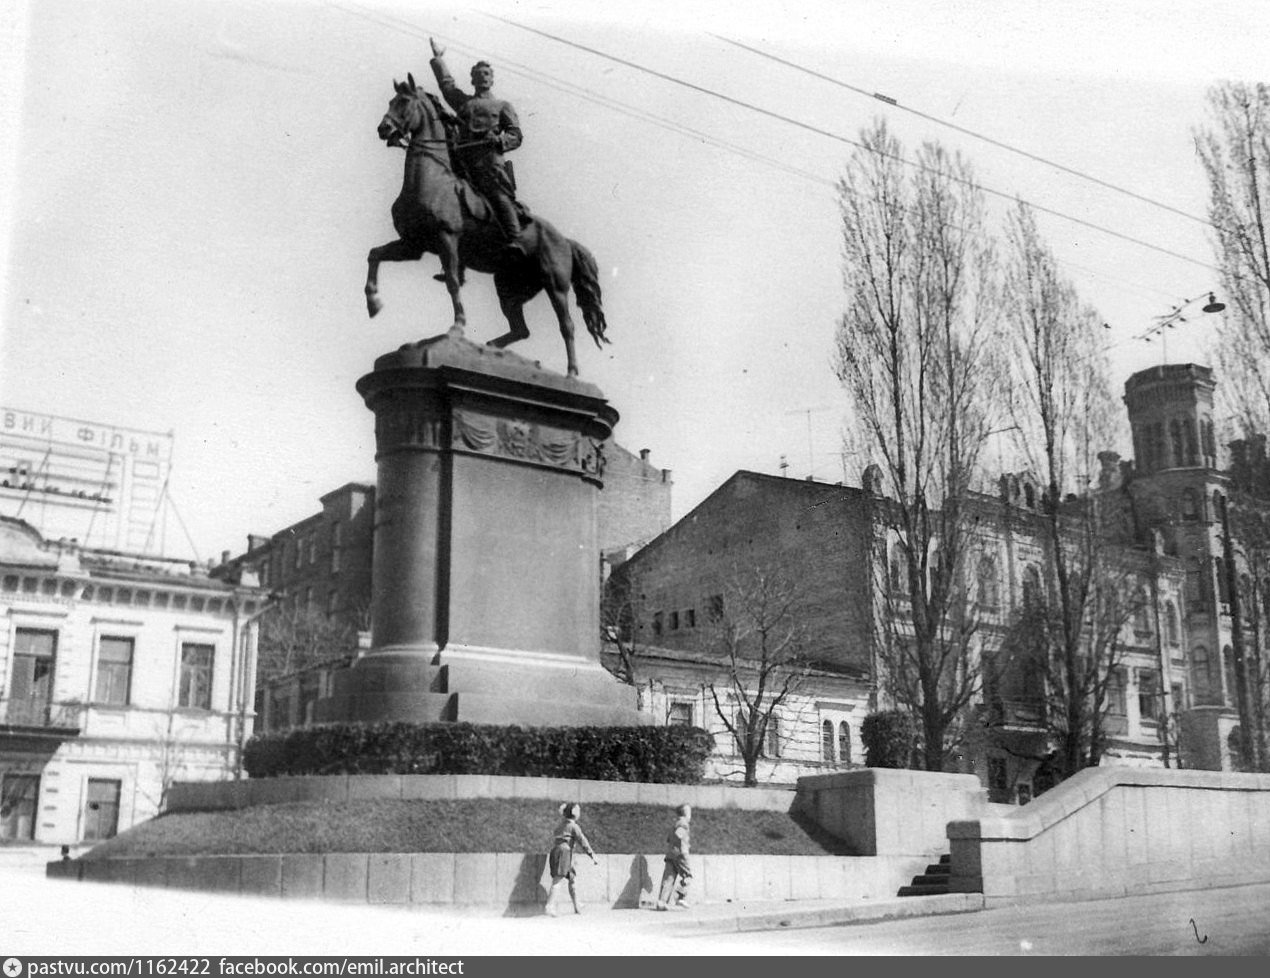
x,y
410,115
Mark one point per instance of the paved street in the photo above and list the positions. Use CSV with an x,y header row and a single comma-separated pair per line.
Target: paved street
x,y
1235,921
42,916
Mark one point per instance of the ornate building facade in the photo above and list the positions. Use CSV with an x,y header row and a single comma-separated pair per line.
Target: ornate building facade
x,y
120,674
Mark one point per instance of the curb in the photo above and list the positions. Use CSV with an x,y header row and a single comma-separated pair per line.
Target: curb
x,y
794,917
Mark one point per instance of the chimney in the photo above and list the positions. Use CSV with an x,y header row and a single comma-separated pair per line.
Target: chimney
x,y
643,454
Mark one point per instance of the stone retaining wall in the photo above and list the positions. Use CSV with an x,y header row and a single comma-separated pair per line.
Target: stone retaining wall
x,y
515,880
891,812
219,795
1114,831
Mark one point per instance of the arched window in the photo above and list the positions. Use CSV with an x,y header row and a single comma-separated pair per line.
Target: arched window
x,y
844,743
898,571
1031,587
1206,438
1192,449
1175,442
1223,583
986,582
1157,445
1142,612
1170,623
1029,496
1201,686
826,741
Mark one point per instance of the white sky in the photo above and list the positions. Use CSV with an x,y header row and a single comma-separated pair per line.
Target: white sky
x,y
190,189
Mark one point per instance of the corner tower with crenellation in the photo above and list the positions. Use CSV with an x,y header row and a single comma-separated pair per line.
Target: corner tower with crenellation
x,y
1178,489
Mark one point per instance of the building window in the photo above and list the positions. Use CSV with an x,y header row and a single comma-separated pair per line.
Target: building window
x,y
898,571
18,796
1201,681
998,780
331,598
772,741
989,596
1142,613
690,618
114,671
1228,662
1117,705
1031,587
674,621
826,741
657,623
31,689
1190,506
196,676
299,553
679,714
844,742
1148,695
1179,701
313,549
337,541
771,746
101,809
715,607
1170,623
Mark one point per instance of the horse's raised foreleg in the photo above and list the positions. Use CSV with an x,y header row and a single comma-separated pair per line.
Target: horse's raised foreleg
x,y
448,249
560,303
393,251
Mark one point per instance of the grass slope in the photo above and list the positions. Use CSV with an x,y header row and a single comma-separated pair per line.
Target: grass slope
x,y
464,825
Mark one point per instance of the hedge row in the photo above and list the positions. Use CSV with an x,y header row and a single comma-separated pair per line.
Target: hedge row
x,y
890,739
662,755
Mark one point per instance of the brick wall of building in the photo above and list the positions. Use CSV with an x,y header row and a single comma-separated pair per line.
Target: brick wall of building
x,y
818,534
635,503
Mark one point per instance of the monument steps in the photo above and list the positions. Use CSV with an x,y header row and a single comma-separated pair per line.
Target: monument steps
x,y
936,880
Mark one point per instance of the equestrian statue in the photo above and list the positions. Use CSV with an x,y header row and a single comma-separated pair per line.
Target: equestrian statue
x,y
458,201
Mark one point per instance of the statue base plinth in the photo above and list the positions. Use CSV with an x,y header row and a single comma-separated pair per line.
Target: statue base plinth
x,y
485,584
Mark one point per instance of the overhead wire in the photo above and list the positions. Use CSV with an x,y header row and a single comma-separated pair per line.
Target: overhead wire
x,y
838,137
406,27
598,98
894,103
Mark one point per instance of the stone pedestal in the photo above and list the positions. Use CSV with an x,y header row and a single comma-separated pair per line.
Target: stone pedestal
x,y
486,577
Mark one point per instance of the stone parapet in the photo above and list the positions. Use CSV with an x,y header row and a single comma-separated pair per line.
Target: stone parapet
x,y
883,811
1117,831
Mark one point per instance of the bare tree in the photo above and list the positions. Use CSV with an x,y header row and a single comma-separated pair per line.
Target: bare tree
x,y
914,354
621,611
1235,155
1064,413
294,638
760,634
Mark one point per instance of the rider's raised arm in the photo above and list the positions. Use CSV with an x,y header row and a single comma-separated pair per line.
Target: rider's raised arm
x,y
451,92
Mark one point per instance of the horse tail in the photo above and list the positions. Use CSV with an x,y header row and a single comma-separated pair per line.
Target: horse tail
x,y
586,289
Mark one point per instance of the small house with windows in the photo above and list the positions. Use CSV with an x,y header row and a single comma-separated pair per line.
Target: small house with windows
x,y
119,675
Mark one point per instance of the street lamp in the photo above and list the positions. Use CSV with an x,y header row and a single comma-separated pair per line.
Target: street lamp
x,y
1176,315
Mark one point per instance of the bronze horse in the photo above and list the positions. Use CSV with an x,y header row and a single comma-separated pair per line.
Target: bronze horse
x,y
441,213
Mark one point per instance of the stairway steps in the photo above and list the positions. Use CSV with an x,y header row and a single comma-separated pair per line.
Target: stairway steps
x,y
934,882
923,890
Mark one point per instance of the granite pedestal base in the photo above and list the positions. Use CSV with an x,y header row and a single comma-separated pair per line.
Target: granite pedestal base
x,y
485,588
